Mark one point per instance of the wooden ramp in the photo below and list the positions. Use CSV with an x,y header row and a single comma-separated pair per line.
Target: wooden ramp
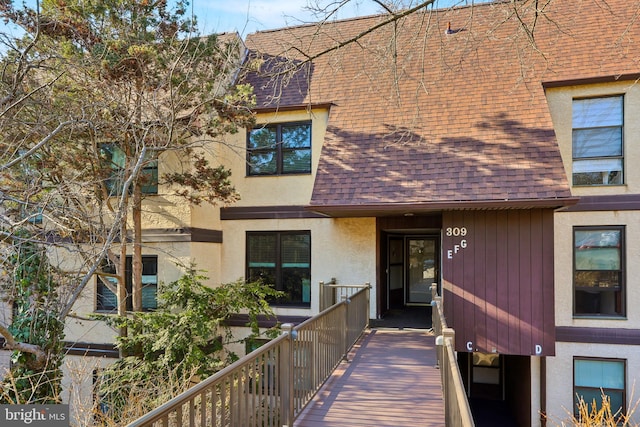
x,y
391,379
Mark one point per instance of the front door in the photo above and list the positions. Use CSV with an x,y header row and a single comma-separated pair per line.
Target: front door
x,y
422,267
412,266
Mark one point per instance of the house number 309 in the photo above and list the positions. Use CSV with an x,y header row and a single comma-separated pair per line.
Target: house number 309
x,y
456,231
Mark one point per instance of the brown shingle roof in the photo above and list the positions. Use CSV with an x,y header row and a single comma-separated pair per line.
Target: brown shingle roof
x,y
421,118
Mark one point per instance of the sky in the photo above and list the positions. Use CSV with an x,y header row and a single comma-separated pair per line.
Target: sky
x,y
248,16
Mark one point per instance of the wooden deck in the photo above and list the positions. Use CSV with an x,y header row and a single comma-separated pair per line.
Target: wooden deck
x,y
391,380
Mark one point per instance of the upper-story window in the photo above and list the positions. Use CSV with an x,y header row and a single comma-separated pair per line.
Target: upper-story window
x,y
598,276
279,149
115,159
597,141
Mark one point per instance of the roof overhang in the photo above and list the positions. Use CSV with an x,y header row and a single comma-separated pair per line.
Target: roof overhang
x,y
296,107
590,80
410,209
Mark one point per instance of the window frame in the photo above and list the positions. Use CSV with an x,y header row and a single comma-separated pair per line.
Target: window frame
x,y
279,150
621,229
305,294
148,176
604,175
604,389
101,288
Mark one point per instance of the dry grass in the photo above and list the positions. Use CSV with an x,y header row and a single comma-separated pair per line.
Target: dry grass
x,y
600,414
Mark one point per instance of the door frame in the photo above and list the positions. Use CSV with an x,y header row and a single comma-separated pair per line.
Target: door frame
x,y
399,269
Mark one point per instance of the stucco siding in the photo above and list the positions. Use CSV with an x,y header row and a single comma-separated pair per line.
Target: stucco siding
x,y
559,373
560,106
564,223
344,248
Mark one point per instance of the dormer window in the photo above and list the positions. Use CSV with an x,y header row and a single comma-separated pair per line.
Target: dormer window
x,y
279,149
597,141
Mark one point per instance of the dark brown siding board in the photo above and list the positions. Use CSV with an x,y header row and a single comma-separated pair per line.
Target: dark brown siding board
x,y
433,221
480,282
264,321
513,284
491,262
548,291
618,202
267,212
525,283
203,235
469,278
598,335
502,277
537,281
499,289
91,349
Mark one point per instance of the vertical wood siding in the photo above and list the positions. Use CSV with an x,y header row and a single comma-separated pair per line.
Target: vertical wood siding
x,y
498,280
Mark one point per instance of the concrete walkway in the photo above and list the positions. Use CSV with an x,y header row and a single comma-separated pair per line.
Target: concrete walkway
x,y
391,380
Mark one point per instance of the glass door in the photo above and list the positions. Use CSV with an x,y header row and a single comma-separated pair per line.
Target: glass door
x,y
422,268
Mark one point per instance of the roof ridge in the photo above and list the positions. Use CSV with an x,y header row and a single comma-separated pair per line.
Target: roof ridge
x,y
377,15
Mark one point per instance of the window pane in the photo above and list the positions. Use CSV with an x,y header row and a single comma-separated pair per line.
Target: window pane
x,y
261,250
598,259
265,274
597,142
263,162
597,250
150,178
149,296
106,299
599,373
296,136
597,112
296,250
597,165
589,395
598,301
262,138
296,161
296,284
598,178
598,279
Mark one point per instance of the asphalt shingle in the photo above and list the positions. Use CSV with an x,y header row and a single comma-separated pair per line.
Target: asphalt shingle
x,y
423,118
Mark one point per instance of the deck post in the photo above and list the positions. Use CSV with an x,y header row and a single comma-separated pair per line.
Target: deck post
x,y
447,392
321,296
286,377
345,327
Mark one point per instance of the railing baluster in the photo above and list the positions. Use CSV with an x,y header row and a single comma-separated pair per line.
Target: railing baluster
x,y
272,385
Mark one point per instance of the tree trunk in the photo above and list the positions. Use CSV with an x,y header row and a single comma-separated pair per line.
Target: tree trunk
x,y
122,277
136,287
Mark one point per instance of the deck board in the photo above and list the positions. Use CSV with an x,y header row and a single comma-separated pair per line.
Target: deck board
x,y
391,380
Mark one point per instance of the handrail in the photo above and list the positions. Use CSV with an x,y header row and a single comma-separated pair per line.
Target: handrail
x,y
457,411
271,385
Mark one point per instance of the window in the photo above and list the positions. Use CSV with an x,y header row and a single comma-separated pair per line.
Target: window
x,y
282,259
598,275
593,377
108,301
279,149
115,158
597,141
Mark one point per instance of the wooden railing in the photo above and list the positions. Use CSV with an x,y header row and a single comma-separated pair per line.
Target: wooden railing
x,y
272,385
456,405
